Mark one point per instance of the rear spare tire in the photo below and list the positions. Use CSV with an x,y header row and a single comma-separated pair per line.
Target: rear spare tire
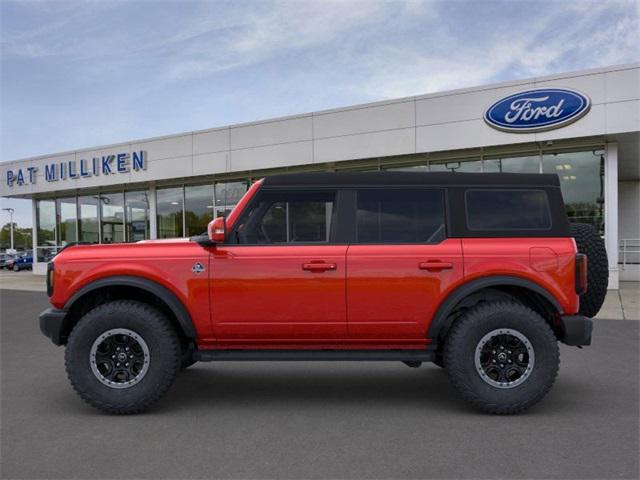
x,y
589,242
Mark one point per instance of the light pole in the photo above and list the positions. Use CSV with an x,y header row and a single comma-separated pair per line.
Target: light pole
x,y
10,210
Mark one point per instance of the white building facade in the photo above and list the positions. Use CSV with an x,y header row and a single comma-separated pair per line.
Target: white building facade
x,y
172,186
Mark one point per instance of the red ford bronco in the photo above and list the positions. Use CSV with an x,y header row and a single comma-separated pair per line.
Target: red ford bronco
x,y
481,274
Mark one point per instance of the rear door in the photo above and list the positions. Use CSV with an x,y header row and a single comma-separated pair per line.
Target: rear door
x,y
281,280
399,264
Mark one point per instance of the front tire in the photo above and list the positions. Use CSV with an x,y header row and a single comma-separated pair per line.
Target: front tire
x,y
502,357
122,356
187,357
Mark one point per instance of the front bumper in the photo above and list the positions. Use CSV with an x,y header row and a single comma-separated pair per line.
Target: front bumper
x,y
576,330
52,325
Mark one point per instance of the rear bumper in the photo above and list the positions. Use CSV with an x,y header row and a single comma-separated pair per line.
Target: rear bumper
x,y
576,330
52,323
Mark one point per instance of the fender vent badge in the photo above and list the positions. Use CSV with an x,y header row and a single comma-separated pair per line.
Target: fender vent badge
x,y
197,268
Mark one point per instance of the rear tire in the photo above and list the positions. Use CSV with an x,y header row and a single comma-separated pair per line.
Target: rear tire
x,y
133,330
16,268
475,341
589,242
438,359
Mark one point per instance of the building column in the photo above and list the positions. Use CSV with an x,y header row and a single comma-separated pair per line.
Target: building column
x,y
153,218
34,237
611,212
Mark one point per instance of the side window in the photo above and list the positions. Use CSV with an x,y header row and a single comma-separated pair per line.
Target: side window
x,y
400,216
524,209
289,217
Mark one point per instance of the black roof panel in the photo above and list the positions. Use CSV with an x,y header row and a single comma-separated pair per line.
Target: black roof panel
x,y
387,178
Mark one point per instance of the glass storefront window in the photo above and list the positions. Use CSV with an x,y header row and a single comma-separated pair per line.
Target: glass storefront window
x,y
409,168
198,208
67,220
469,166
137,216
46,229
227,195
528,164
582,184
169,205
112,217
88,220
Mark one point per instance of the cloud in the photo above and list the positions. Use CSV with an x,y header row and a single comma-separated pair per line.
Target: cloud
x,y
398,48
560,37
268,30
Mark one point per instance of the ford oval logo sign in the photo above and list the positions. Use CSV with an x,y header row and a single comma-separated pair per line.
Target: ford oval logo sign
x,y
537,110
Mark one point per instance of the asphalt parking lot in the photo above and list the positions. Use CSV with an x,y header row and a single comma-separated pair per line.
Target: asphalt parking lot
x,y
316,420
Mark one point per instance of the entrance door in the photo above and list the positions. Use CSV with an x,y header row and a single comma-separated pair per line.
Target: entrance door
x,y
281,279
399,265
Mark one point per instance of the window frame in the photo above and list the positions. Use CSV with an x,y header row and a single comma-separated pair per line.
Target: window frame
x,y
334,238
445,212
508,229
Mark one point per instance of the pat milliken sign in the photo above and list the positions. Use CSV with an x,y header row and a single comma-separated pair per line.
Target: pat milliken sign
x,y
537,110
104,165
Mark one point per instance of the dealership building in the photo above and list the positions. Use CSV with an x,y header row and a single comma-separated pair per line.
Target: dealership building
x,y
583,126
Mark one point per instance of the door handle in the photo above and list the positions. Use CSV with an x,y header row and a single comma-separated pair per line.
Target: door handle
x,y
435,266
319,266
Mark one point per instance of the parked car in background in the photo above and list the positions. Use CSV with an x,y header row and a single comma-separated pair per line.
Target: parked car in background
x,y
6,258
21,262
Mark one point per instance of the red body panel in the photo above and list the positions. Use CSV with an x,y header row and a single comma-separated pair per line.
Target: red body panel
x,y
264,293
392,295
168,263
548,262
319,296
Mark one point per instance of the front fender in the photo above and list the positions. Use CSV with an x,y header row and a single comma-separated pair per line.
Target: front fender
x,y
160,291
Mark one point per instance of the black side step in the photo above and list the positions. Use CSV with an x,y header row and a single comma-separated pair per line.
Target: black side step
x,y
314,355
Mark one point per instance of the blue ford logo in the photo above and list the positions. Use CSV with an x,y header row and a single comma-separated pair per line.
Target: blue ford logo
x,y
537,110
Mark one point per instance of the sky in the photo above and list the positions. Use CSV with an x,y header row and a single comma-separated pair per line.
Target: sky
x,y
88,73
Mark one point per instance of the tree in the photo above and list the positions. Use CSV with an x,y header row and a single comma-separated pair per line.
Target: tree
x,y
22,237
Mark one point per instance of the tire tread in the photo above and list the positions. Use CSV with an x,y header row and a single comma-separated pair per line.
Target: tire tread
x,y
589,242
164,328
453,356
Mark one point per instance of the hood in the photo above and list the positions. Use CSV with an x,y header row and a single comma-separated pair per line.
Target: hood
x,y
165,240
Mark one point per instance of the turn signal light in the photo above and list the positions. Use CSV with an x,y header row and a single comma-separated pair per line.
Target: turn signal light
x,y
50,278
581,273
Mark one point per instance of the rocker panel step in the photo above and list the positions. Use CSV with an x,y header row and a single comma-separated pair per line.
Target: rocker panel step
x,y
315,355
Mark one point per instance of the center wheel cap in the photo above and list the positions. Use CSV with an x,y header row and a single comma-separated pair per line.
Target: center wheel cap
x,y
119,358
504,358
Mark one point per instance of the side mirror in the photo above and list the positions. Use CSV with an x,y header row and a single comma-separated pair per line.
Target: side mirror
x,y
217,230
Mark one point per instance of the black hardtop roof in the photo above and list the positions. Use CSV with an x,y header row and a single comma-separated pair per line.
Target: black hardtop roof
x,y
386,178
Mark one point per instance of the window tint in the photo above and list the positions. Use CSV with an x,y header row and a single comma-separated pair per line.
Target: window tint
x,y
400,216
288,217
507,210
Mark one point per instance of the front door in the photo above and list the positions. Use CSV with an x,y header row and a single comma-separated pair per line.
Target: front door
x,y
280,281
399,265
